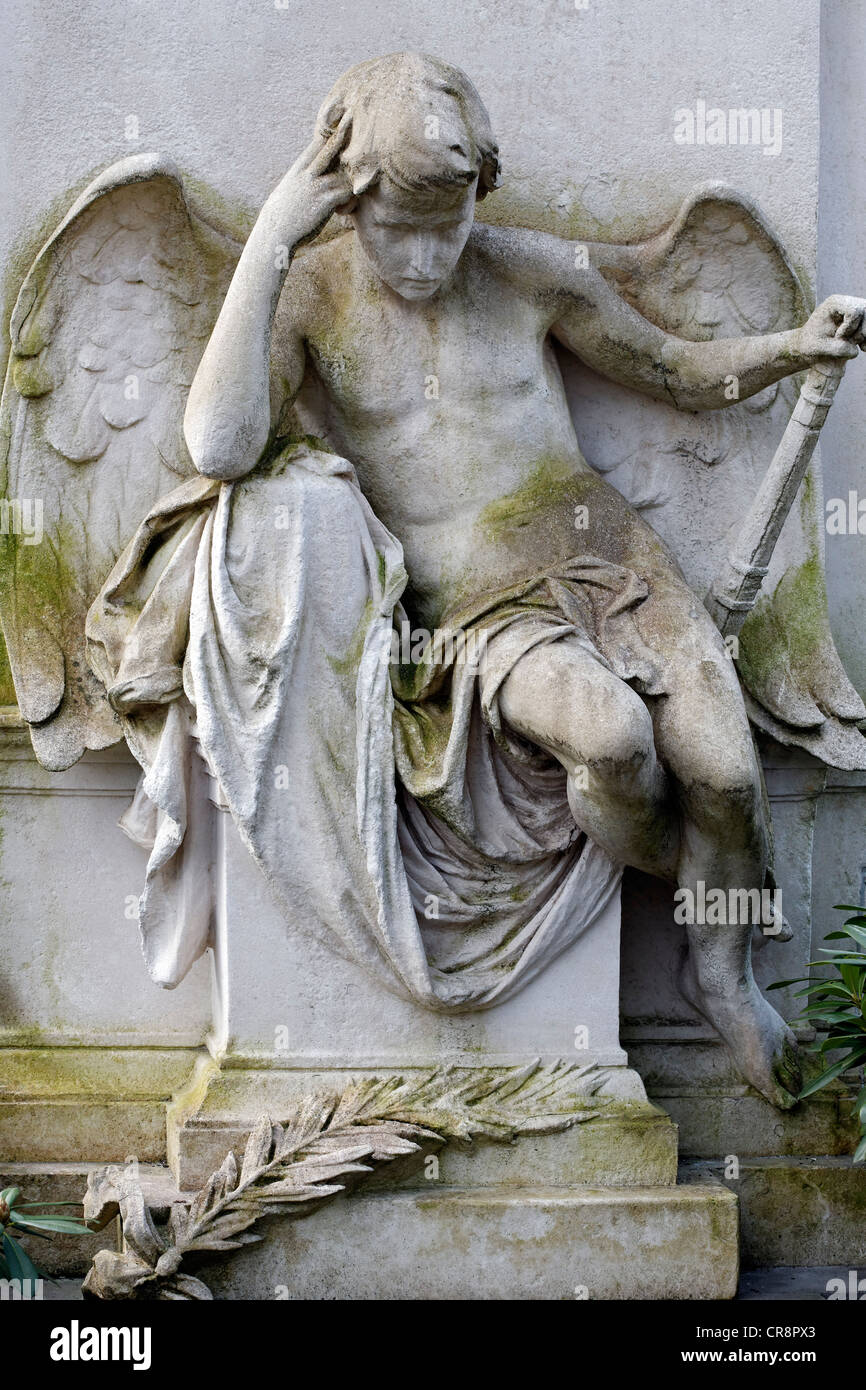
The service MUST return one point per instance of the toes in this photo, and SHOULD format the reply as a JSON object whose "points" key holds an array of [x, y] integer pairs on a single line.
{"points": [[781, 1099], [787, 1074]]}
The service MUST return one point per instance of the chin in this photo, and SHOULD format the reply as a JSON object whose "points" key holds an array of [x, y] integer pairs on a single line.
{"points": [[416, 291]]}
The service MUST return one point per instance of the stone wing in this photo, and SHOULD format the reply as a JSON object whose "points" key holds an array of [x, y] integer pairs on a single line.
{"points": [[106, 334], [718, 270]]}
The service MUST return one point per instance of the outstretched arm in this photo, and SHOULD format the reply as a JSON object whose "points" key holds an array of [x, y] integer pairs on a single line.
{"points": [[614, 339], [228, 414]]}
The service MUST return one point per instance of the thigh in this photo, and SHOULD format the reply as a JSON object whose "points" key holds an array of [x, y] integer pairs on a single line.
{"points": [[561, 697]]}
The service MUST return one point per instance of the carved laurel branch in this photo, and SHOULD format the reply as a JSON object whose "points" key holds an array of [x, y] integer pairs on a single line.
{"points": [[329, 1143]]}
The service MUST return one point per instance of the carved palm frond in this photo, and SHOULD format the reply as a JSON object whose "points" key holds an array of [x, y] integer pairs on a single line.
{"points": [[329, 1143]]}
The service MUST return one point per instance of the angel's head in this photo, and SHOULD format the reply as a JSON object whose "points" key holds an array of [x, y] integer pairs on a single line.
{"points": [[420, 154]]}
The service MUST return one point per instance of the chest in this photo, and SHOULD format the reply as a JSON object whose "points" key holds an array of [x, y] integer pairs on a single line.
{"points": [[384, 359]]}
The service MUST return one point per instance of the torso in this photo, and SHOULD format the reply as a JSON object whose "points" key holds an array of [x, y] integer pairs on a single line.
{"points": [[454, 414]]}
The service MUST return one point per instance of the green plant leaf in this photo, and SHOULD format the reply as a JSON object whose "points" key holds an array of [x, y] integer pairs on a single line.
{"points": [[851, 929], [19, 1261], [841, 1040], [819, 1012], [28, 1206], [826, 1077], [860, 1151], [9, 1194], [824, 989], [64, 1224]]}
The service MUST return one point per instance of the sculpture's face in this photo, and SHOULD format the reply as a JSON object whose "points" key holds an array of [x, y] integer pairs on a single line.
{"points": [[413, 240]]}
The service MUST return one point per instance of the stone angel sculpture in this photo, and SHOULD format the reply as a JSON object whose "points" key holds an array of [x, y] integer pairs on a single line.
{"points": [[322, 543]]}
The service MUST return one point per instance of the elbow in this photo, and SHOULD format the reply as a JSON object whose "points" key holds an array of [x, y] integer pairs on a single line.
{"points": [[223, 470], [220, 450]]}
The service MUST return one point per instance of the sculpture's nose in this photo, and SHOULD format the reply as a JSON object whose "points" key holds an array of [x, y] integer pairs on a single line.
{"points": [[421, 259]]}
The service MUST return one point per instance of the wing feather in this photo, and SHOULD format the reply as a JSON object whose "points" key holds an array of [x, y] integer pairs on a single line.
{"points": [[106, 334]]}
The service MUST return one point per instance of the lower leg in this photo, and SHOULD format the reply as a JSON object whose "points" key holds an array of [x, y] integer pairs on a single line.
{"points": [[725, 845], [631, 816]]}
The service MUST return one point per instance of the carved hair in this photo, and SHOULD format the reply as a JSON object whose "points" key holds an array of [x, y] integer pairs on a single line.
{"points": [[416, 119]]}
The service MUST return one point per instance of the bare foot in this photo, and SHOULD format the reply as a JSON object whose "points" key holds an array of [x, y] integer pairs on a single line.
{"points": [[760, 1042]]}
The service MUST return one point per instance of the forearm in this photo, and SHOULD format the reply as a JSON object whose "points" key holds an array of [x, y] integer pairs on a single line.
{"points": [[707, 376], [227, 420]]}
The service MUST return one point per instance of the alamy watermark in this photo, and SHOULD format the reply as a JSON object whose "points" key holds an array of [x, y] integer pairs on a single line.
{"points": [[408, 646], [846, 516], [729, 907], [713, 125], [16, 1290], [22, 516]]}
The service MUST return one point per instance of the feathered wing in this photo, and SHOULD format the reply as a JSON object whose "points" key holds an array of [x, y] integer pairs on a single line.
{"points": [[719, 271], [106, 335]]}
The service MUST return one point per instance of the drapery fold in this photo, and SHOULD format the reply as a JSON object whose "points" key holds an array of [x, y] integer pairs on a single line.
{"points": [[390, 812]]}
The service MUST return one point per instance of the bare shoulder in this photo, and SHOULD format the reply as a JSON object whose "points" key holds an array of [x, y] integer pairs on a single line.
{"points": [[540, 262]]}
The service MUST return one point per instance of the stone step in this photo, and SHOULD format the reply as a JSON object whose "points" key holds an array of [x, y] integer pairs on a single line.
{"points": [[627, 1142], [695, 1082], [59, 1103], [627, 1150], [795, 1210], [713, 1125], [450, 1242], [496, 1243]]}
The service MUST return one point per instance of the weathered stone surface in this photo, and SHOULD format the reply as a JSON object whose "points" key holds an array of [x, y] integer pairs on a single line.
{"points": [[715, 1123], [47, 997], [498, 1244], [72, 960], [57, 1103], [798, 1211]]}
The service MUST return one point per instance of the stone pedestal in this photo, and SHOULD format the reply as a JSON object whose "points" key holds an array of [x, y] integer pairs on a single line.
{"points": [[593, 1211], [290, 1015], [89, 1051]]}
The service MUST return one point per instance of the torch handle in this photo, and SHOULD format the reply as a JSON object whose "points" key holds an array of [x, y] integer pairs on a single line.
{"points": [[735, 589]]}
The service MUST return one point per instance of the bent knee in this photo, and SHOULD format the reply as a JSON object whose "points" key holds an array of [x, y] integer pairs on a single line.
{"points": [[619, 741], [611, 732], [579, 711], [724, 779]]}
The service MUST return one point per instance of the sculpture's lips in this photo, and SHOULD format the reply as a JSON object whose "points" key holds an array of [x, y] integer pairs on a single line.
{"points": [[419, 284]]}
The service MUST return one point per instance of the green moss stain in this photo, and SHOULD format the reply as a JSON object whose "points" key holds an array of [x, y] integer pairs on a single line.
{"points": [[7, 686], [230, 217], [550, 484], [347, 666], [785, 627], [801, 603]]}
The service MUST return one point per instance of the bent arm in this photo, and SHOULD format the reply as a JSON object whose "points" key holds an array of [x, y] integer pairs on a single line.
{"points": [[614, 339], [228, 417]]}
